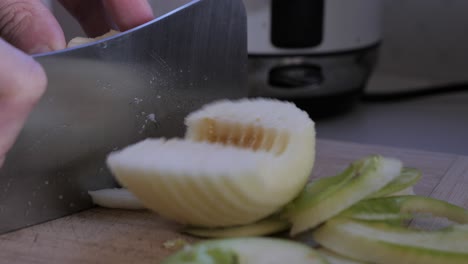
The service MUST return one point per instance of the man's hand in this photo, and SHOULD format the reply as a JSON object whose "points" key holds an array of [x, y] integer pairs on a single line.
{"points": [[29, 25], [22, 83]]}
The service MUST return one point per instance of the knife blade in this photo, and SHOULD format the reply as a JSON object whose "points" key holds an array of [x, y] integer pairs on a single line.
{"points": [[108, 94]]}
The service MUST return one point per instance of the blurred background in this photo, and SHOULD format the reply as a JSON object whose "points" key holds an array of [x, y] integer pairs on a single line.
{"points": [[423, 45]]}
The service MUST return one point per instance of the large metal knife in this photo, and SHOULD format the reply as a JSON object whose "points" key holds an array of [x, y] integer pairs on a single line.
{"points": [[114, 92]]}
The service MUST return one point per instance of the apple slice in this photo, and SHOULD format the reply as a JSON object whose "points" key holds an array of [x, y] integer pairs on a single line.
{"points": [[406, 191], [246, 251], [327, 197], [78, 41], [241, 161], [268, 226], [387, 244], [335, 258], [117, 198], [402, 185], [396, 208]]}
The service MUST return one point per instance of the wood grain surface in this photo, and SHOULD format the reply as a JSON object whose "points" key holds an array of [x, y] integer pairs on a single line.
{"points": [[118, 236]]}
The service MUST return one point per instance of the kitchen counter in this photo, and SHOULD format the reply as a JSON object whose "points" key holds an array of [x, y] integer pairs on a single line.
{"points": [[434, 123]]}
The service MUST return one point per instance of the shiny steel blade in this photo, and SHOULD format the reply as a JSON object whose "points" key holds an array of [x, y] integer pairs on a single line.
{"points": [[109, 94]]}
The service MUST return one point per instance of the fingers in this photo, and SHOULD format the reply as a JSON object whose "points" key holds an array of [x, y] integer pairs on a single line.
{"points": [[128, 14], [98, 17], [90, 14], [29, 25], [22, 83]]}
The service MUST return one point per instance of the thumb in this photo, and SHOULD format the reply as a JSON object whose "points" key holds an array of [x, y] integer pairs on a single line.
{"points": [[29, 25], [22, 83]]}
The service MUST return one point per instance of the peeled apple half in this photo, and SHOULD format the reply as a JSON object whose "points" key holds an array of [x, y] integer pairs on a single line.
{"points": [[240, 162]]}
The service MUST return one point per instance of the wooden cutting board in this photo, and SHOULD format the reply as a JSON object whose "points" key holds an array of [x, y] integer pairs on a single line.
{"points": [[118, 236]]}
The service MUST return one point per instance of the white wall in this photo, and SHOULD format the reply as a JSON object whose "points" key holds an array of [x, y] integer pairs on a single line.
{"points": [[426, 39]]}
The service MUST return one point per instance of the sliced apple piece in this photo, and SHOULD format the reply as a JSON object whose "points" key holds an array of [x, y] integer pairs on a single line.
{"points": [[335, 258], [387, 244], [240, 162], [406, 191], [398, 208], [268, 226], [246, 251], [78, 41], [117, 198], [402, 185], [327, 197]]}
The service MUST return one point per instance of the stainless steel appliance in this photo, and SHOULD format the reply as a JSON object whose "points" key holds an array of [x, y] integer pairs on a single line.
{"points": [[317, 53]]}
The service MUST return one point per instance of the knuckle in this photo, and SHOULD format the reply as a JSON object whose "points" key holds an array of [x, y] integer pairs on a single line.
{"points": [[15, 17]]}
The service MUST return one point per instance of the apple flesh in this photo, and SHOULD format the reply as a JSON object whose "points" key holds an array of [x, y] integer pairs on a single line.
{"points": [[117, 198]]}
